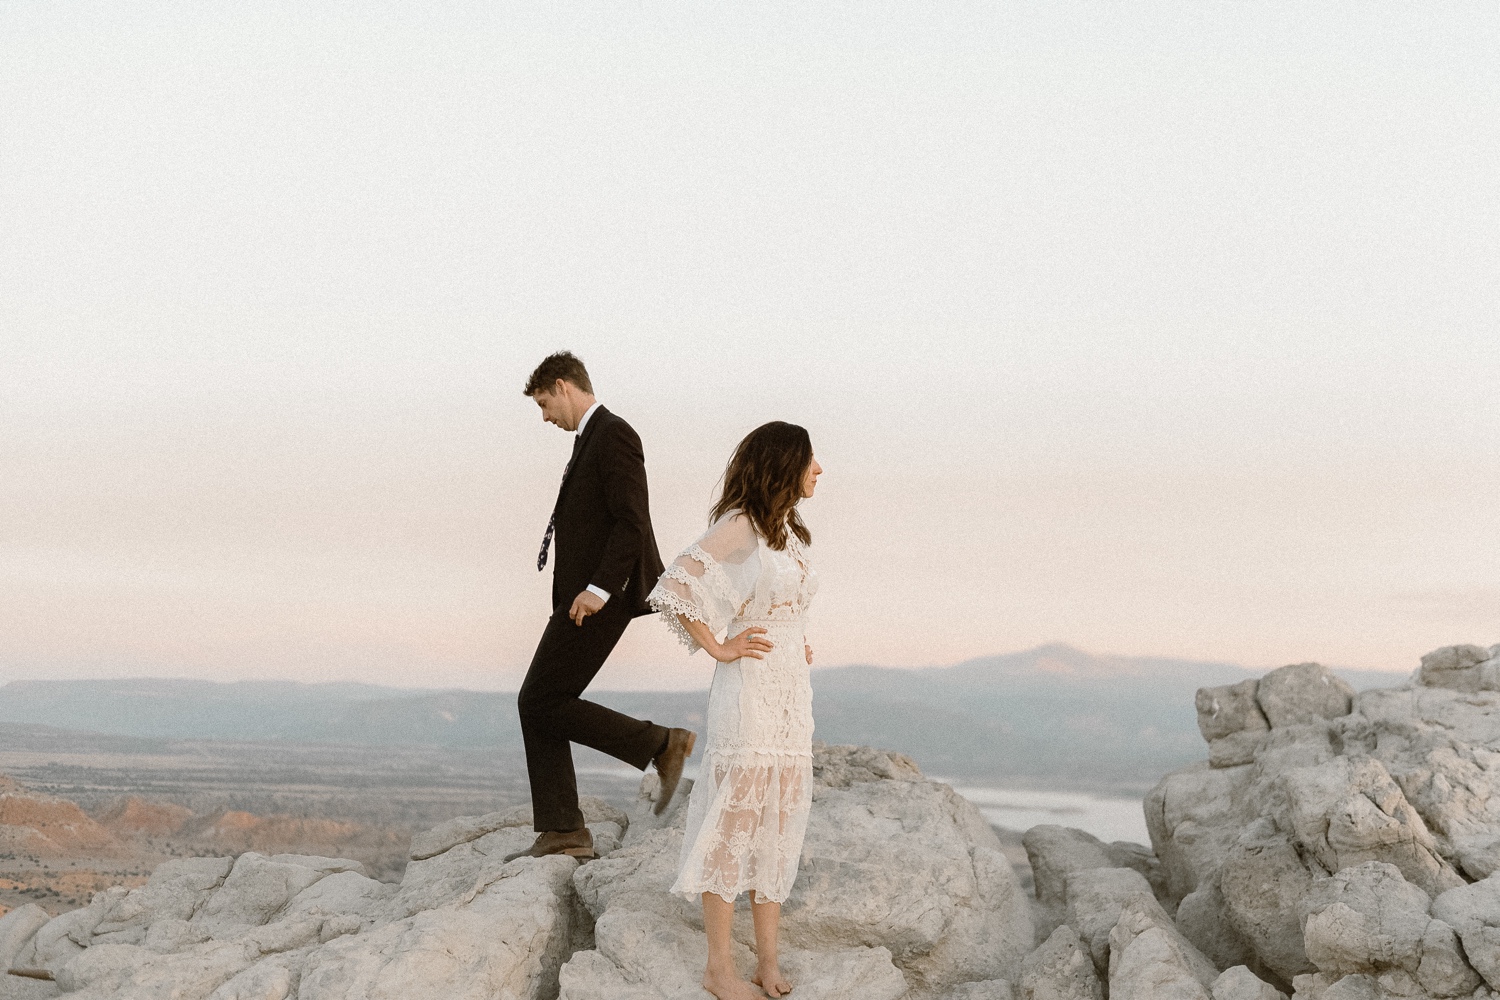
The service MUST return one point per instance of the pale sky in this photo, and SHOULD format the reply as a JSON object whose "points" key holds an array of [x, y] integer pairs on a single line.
{"points": [[1156, 329]]}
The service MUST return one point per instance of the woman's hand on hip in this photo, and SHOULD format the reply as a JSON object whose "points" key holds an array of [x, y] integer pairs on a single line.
{"points": [[752, 643]]}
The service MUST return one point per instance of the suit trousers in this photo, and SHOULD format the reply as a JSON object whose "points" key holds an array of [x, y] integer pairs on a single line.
{"points": [[553, 714]]}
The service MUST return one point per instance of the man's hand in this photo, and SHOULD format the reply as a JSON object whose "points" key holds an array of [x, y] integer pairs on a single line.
{"points": [[585, 604], [808, 650]]}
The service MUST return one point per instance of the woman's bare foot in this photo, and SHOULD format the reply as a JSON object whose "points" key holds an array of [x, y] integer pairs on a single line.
{"points": [[772, 981], [730, 986]]}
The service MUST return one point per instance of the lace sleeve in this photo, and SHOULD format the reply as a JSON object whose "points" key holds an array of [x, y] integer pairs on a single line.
{"points": [[710, 581]]}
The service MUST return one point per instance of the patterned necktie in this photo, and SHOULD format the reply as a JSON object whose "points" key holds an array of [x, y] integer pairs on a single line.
{"points": [[541, 557]]}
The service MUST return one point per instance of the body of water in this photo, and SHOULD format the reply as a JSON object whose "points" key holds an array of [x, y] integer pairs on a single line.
{"points": [[1105, 817]]}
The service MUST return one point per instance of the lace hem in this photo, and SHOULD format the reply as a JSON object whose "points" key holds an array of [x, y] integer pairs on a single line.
{"points": [[670, 606], [728, 893]]}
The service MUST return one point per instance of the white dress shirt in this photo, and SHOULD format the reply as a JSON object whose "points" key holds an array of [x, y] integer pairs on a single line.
{"points": [[583, 421]]}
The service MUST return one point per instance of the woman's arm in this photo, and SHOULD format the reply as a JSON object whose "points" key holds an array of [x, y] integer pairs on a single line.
{"points": [[748, 643]]}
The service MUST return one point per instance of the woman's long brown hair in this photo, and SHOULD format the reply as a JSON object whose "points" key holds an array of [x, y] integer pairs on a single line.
{"points": [[764, 479]]}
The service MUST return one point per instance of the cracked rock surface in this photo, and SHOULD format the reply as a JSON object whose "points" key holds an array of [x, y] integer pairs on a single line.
{"points": [[1332, 846]]}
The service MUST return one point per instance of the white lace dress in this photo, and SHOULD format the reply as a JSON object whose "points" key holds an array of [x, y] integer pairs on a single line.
{"points": [[747, 812]]}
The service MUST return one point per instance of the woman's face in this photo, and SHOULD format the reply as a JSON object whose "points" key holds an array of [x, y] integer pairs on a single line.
{"points": [[810, 478]]}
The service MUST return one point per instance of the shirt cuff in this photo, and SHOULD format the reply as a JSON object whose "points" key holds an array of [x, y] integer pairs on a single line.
{"points": [[603, 595]]}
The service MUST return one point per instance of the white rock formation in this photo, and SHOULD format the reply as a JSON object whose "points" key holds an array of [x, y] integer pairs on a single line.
{"points": [[902, 885], [1473, 911], [1334, 846], [461, 924], [1238, 983], [1311, 846], [1368, 920], [1055, 852], [904, 891], [1060, 969], [17, 928]]}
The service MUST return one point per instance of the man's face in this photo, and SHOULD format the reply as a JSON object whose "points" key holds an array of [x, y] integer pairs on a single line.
{"points": [[556, 406]]}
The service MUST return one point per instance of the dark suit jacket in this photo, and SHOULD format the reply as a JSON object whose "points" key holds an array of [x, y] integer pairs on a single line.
{"points": [[603, 526]]}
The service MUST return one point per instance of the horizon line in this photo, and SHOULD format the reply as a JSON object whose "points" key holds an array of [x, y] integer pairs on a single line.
{"points": [[1043, 647]]}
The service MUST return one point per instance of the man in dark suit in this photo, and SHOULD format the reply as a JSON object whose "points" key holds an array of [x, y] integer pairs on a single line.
{"points": [[606, 564]]}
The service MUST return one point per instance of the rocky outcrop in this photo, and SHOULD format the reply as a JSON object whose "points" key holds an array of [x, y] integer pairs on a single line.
{"points": [[1055, 852], [1473, 911], [1061, 969], [1461, 668], [902, 886], [460, 924], [903, 891], [17, 928], [1333, 846], [1239, 983], [1368, 920], [1312, 846]]}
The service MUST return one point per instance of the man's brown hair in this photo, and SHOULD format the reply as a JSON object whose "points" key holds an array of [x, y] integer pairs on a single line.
{"points": [[562, 365]]}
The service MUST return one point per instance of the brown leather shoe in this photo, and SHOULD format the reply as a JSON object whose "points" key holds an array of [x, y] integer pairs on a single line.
{"points": [[669, 764], [574, 843]]}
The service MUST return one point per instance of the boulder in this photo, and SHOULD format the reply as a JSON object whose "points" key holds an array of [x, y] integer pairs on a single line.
{"points": [[1438, 745], [256, 889], [1057, 851], [1203, 918], [1261, 883], [16, 931], [1369, 920], [1236, 748], [1461, 668], [273, 978], [57, 941], [1194, 816], [643, 955], [1406, 713], [1473, 911], [503, 939], [1096, 897], [128, 972], [904, 863], [896, 870], [1301, 693], [175, 891], [462, 925], [1231, 720], [1061, 969], [1097, 900], [1348, 810], [847, 766], [1229, 709], [1407, 777], [1239, 983], [342, 894], [1149, 960]]}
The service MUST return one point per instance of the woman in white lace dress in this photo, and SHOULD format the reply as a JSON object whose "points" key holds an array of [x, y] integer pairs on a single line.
{"points": [[749, 579]]}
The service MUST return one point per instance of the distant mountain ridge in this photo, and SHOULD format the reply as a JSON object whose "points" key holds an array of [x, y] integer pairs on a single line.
{"points": [[1050, 714]]}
